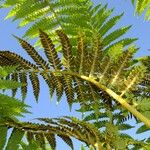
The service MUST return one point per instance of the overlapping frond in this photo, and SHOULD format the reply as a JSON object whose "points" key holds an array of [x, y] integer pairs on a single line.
{"points": [[64, 75], [115, 71], [45, 134]]}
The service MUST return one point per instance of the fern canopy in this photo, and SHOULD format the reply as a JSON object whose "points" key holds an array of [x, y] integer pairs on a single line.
{"points": [[83, 58], [50, 16]]}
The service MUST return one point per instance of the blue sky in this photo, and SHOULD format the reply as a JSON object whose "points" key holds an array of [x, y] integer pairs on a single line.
{"points": [[48, 108]]}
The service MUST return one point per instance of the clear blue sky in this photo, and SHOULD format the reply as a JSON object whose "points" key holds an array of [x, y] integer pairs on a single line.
{"points": [[45, 108]]}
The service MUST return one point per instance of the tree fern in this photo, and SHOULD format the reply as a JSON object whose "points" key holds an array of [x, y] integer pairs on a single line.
{"points": [[128, 76]]}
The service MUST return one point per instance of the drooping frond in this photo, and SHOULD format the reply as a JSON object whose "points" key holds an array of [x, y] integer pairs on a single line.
{"points": [[65, 128]]}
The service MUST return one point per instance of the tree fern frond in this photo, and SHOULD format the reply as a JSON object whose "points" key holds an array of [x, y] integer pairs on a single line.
{"points": [[50, 51], [50, 82], [33, 54], [59, 87], [33, 16], [3, 131], [18, 59], [101, 16], [125, 42], [80, 52], [124, 127], [66, 49], [23, 79], [14, 77], [35, 85], [63, 127], [9, 3], [29, 7], [67, 80], [51, 139], [97, 50], [15, 138], [54, 15], [134, 77], [41, 139], [114, 35], [109, 24], [8, 84], [108, 78], [13, 11], [67, 140]]}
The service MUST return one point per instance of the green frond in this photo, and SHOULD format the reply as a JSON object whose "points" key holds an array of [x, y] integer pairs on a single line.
{"points": [[135, 77], [8, 3], [33, 16], [35, 85], [50, 51], [125, 42], [11, 107], [97, 50], [92, 116], [13, 11], [142, 7], [9, 84], [3, 131], [114, 35], [80, 52], [100, 17], [109, 24], [28, 8], [65, 128], [142, 129], [125, 127], [14, 77], [14, 139], [6, 70], [39, 138], [55, 15]]}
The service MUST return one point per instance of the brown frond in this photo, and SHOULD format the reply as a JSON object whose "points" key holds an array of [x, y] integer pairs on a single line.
{"points": [[33, 53], [50, 51], [35, 85], [66, 49], [12, 57], [68, 87], [23, 79], [51, 139]]}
